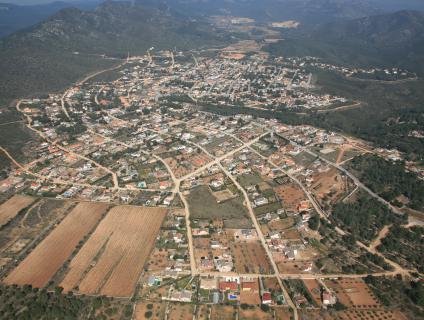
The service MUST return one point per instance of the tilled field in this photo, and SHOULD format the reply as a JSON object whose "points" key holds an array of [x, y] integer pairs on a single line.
{"points": [[47, 258], [113, 257]]}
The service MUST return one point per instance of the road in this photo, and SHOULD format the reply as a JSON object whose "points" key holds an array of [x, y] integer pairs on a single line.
{"points": [[248, 204], [355, 180]]}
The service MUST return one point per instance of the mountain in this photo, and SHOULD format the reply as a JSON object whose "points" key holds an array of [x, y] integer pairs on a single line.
{"points": [[16, 17], [42, 59], [308, 12], [395, 39]]}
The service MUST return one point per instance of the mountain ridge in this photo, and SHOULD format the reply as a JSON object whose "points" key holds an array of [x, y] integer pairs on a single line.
{"points": [[41, 58], [387, 40]]}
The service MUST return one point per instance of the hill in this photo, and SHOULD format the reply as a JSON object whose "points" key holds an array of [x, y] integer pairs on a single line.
{"points": [[308, 12], [395, 40], [41, 59], [16, 17]]}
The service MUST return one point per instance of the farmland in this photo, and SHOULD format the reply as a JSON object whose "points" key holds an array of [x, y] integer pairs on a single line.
{"points": [[46, 259], [250, 257], [12, 207], [154, 311], [180, 311], [112, 259], [24, 232], [254, 313], [354, 293]]}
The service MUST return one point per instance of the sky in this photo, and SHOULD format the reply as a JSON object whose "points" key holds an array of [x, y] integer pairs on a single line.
{"points": [[29, 2]]}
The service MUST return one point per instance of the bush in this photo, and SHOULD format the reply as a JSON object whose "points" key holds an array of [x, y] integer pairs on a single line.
{"points": [[265, 307]]}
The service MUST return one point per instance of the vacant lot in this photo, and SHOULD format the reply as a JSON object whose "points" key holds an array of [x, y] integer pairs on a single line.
{"points": [[291, 196], [12, 207], [203, 205], [46, 259], [112, 259], [250, 257], [329, 186]]}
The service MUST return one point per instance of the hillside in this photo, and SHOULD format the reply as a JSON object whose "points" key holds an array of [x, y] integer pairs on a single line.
{"points": [[16, 17], [42, 58], [307, 11], [395, 39]]}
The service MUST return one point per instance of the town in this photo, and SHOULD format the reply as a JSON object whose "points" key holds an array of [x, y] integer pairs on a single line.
{"points": [[246, 207]]}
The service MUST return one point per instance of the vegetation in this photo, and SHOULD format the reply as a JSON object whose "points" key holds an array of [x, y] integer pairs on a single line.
{"points": [[365, 217], [389, 180], [33, 303], [396, 293], [405, 246]]}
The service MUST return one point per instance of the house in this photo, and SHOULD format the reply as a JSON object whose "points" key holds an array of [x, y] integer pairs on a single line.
{"points": [[181, 296], [153, 281], [250, 285], [261, 201], [226, 285], [208, 283], [266, 298], [328, 298]]}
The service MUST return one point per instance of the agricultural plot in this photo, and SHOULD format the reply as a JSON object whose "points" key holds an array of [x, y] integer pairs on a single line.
{"points": [[149, 310], [354, 293], [12, 207], [113, 257], [223, 312], [254, 313], [46, 259], [24, 232], [379, 314], [250, 257], [179, 311]]}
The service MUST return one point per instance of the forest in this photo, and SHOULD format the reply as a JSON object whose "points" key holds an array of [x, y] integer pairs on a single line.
{"points": [[390, 180]]}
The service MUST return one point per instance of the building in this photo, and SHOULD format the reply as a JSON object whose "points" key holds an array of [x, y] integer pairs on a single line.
{"points": [[266, 298], [208, 283], [226, 286]]}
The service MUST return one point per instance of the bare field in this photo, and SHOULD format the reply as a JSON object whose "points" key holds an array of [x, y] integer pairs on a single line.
{"points": [[47, 258], [13, 206], [113, 257], [291, 195]]}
